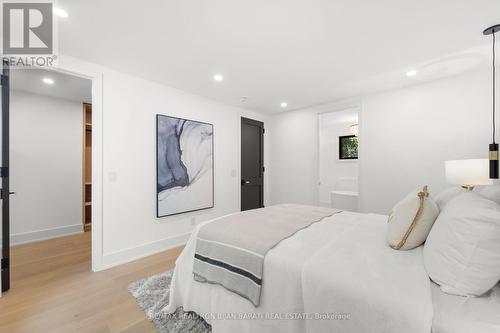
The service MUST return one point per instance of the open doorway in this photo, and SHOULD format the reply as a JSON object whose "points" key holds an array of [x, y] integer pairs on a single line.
{"points": [[50, 172], [338, 159]]}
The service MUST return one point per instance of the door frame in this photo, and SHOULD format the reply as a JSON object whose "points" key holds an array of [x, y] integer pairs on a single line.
{"points": [[259, 123]]}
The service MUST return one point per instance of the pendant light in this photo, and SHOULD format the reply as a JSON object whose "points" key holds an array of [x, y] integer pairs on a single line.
{"points": [[493, 146]]}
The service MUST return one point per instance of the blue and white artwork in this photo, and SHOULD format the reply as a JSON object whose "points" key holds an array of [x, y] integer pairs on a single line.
{"points": [[185, 170]]}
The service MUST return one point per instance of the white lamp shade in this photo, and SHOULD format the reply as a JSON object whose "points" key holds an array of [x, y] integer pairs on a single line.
{"points": [[468, 172]]}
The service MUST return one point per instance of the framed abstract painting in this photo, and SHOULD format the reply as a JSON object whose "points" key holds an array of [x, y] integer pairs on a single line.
{"points": [[184, 165]]}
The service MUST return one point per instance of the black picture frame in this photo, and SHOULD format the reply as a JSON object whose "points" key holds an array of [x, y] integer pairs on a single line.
{"points": [[158, 117], [343, 155]]}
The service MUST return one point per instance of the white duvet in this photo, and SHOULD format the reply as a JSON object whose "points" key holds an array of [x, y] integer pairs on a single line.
{"points": [[337, 275]]}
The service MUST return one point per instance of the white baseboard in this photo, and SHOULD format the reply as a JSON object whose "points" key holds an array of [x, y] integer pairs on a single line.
{"points": [[121, 257], [38, 235]]}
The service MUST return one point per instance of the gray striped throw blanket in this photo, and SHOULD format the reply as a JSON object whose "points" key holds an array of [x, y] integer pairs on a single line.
{"points": [[230, 251]]}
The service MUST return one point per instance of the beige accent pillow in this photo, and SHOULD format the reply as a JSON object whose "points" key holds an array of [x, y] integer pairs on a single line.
{"points": [[411, 220]]}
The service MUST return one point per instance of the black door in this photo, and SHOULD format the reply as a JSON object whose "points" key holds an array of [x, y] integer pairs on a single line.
{"points": [[4, 173], [252, 164]]}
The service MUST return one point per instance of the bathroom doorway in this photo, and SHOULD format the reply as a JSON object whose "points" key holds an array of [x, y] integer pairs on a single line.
{"points": [[338, 159]]}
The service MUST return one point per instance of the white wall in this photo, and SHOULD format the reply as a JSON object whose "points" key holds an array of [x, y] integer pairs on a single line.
{"points": [[294, 151], [45, 167], [130, 228], [405, 137], [333, 172], [407, 134]]}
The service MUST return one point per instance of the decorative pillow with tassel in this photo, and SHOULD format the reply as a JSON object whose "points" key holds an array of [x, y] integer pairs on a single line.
{"points": [[411, 220]]}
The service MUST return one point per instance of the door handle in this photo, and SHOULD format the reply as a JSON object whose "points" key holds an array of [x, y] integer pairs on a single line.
{"points": [[244, 182], [1, 193]]}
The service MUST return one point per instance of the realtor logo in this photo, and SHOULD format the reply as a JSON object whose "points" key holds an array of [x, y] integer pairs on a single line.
{"points": [[27, 28]]}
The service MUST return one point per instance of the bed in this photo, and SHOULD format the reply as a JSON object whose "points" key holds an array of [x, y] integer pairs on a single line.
{"points": [[337, 275]]}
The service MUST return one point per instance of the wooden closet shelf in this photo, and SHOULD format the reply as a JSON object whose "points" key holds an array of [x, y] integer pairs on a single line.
{"points": [[87, 167]]}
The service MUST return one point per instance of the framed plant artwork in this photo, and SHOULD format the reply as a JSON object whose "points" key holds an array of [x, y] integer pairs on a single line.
{"points": [[184, 165], [348, 147]]}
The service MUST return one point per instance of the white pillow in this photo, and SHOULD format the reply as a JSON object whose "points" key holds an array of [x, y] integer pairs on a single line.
{"points": [[490, 192], [445, 196], [462, 252], [411, 220]]}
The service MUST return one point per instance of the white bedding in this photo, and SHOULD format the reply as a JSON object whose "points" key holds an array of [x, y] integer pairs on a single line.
{"points": [[358, 273], [457, 314], [321, 269]]}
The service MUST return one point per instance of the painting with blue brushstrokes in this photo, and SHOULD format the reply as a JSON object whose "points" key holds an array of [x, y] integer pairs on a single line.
{"points": [[184, 165]]}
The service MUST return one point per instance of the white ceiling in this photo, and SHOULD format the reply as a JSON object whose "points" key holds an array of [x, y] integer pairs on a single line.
{"points": [[304, 52], [65, 86]]}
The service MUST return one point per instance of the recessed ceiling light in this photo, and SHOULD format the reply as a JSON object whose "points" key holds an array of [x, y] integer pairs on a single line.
{"points": [[412, 72], [47, 80], [284, 104], [218, 78], [60, 12]]}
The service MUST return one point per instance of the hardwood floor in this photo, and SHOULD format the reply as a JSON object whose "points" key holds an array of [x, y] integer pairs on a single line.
{"points": [[54, 290]]}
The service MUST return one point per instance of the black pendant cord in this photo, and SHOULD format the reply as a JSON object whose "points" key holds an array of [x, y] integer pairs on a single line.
{"points": [[494, 90]]}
